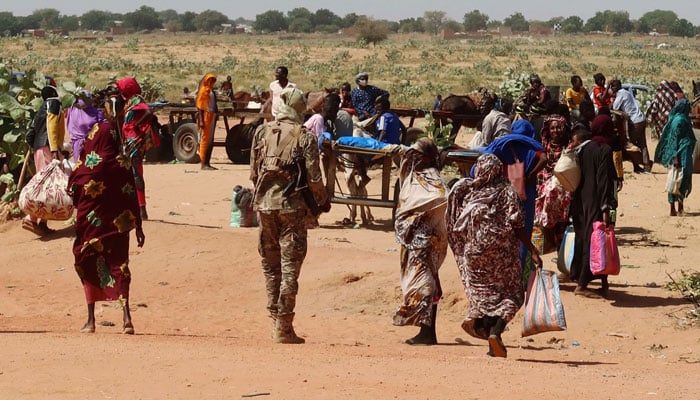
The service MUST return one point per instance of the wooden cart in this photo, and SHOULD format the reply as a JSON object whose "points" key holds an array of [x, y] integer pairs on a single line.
{"points": [[182, 129]]}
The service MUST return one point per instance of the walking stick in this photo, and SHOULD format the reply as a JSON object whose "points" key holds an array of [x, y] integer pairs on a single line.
{"points": [[20, 182]]}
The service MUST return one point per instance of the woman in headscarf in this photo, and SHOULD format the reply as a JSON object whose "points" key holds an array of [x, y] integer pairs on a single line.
{"points": [[485, 223], [45, 137], [103, 190], [80, 118], [552, 202], [206, 121], [138, 134], [420, 230], [521, 144], [675, 149]]}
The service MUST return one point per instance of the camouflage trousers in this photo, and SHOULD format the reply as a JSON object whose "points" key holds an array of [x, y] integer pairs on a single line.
{"points": [[282, 246]]}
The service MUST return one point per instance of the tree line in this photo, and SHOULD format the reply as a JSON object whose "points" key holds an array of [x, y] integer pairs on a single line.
{"points": [[302, 20]]}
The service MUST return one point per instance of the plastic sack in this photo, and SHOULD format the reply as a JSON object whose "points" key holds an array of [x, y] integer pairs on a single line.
{"points": [[242, 214], [673, 180], [567, 170], [45, 196], [544, 311], [565, 257], [605, 258]]}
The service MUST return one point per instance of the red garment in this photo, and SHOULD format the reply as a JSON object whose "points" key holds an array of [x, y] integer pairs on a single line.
{"points": [[607, 97], [129, 87], [104, 195]]}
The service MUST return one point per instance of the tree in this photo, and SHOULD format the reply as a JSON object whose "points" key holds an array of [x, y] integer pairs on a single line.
{"points": [[453, 25], [270, 21], [145, 18], [8, 24], [300, 25], [517, 22], [682, 27], [609, 21], [49, 18], [96, 20], [371, 31], [210, 21], [434, 21], [187, 21], [349, 20], [324, 16], [299, 12], [411, 25], [70, 22], [167, 15], [475, 20], [660, 20], [572, 24]]}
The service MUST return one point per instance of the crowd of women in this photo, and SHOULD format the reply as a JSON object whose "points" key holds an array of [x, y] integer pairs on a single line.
{"points": [[487, 218]]}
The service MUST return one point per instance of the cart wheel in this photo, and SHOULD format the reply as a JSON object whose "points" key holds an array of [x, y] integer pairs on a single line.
{"points": [[186, 143], [238, 145]]}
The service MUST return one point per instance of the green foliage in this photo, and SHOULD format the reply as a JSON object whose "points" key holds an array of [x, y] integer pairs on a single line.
{"points": [[687, 283], [514, 85], [441, 135], [270, 21], [210, 21], [433, 21], [517, 22], [475, 20], [371, 31]]}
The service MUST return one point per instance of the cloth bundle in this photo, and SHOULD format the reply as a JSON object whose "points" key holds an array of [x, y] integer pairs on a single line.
{"points": [[45, 196], [567, 170]]}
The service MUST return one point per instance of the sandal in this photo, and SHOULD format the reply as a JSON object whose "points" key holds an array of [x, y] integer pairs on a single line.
{"points": [[128, 328], [496, 347]]}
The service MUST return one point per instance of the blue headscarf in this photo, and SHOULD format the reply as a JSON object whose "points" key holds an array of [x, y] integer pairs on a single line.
{"points": [[521, 141]]}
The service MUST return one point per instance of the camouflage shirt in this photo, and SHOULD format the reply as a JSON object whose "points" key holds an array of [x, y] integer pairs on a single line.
{"points": [[272, 148]]}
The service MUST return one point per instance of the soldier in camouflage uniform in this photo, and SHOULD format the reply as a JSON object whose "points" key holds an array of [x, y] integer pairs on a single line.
{"points": [[282, 243]]}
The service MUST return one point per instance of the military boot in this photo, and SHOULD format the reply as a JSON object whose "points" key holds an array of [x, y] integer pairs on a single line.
{"points": [[284, 332]]}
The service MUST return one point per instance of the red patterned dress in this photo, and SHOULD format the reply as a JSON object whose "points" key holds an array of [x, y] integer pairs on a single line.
{"points": [[104, 194]]}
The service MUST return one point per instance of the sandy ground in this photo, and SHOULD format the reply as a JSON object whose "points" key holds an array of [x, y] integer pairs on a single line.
{"points": [[201, 328]]}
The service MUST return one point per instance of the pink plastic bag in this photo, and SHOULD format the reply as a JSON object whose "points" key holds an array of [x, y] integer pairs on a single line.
{"points": [[544, 311], [605, 258]]}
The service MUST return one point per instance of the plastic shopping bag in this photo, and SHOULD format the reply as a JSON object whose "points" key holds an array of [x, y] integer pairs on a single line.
{"points": [[544, 311]]}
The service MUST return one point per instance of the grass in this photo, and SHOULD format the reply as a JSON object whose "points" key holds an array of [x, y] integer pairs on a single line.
{"points": [[416, 66]]}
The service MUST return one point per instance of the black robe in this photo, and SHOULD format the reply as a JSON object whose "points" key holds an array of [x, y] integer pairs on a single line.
{"points": [[595, 194]]}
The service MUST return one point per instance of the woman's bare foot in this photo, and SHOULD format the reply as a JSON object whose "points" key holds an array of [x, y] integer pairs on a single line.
{"points": [[88, 328], [680, 207], [673, 210]]}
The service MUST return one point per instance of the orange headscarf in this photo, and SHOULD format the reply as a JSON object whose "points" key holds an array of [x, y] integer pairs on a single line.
{"points": [[206, 85]]}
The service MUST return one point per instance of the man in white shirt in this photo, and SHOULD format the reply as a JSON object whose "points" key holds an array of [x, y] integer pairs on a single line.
{"points": [[636, 123], [277, 86]]}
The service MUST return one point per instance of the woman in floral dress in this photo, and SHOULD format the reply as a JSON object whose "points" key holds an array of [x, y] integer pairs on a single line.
{"points": [[485, 225], [420, 229]]}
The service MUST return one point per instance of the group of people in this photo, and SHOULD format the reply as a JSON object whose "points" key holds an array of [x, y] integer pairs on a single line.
{"points": [[486, 219]]}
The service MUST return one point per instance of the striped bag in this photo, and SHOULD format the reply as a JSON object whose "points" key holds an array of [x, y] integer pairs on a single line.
{"points": [[544, 311], [566, 251]]}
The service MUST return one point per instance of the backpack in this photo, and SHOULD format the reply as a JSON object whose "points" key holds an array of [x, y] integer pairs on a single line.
{"points": [[275, 150]]}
